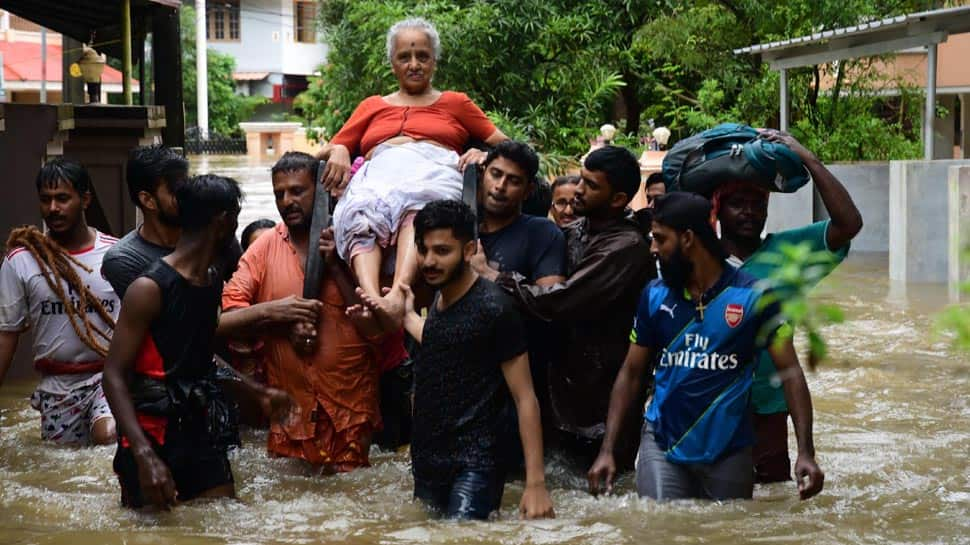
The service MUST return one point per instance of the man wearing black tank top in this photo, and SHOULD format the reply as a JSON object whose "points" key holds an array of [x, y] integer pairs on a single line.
{"points": [[159, 375]]}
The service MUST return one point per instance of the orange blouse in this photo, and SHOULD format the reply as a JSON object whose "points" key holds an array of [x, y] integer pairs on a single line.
{"points": [[451, 121]]}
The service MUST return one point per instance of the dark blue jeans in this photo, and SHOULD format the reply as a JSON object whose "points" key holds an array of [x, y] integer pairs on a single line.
{"points": [[462, 494]]}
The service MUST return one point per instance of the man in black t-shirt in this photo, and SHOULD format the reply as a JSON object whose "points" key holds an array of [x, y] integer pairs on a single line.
{"points": [[512, 241], [532, 246], [473, 356]]}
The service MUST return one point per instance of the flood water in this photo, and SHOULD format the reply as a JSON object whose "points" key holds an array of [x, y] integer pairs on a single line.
{"points": [[892, 430]]}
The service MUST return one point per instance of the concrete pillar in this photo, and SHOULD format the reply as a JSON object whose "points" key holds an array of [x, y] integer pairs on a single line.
{"points": [[929, 112], [919, 220], [783, 109], [791, 210], [201, 70], [958, 220]]}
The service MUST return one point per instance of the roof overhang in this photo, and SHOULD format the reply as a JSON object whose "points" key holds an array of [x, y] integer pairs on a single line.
{"points": [[249, 76], [80, 18], [865, 40]]}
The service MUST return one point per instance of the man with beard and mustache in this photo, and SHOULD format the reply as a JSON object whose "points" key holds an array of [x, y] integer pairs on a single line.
{"points": [[699, 327], [742, 210], [473, 356], [153, 173], [608, 263], [323, 356]]}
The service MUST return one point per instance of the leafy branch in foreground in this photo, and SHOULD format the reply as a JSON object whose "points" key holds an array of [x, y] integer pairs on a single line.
{"points": [[955, 320], [796, 270]]}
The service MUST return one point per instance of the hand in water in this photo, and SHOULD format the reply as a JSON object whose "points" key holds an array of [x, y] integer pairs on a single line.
{"points": [[303, 337], [157, 486], [602, 473], [809, 477], [536, 503]]}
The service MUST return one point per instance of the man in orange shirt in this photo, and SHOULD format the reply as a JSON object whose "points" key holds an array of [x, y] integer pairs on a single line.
{"points": [[333, 382]]}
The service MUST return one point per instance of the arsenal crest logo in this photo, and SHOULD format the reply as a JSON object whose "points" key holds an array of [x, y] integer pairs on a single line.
{"points": [[733, 314]]}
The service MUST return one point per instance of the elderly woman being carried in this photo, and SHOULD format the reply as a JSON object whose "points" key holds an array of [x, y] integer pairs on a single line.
{"points": [[411, 140]]}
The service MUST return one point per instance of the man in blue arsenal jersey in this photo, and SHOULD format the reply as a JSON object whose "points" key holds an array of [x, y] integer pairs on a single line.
{"points": [[699, 327]]}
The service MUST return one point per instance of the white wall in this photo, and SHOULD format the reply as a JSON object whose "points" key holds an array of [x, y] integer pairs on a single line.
{"points": [[299, 59], [260, 48], [266, 43]]}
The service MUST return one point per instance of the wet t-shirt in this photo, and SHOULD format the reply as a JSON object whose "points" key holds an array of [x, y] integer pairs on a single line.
{"points": [[461, 419], [131, 256], [531, 246]]}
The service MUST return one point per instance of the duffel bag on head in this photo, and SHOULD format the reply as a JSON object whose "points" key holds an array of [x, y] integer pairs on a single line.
{"points": [[732, 152]]}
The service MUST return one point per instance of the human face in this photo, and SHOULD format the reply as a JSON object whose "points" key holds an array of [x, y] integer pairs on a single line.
{"points": [[442, 257], [294, 193], [62, 207], [562, 204], [654, 191], [667, 246], [506, 187], [743, 214], [413, 61], [593, 196]]}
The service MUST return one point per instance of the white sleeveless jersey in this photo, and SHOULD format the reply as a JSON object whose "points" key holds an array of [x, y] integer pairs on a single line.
{"points": [[27, 301]]}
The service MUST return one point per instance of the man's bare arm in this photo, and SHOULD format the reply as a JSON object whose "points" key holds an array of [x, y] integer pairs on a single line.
{"points": [[535, 499], [799, 401], [625, 390], [141, 305]]}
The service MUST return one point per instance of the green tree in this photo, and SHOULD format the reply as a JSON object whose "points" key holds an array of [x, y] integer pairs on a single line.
{"points": [[226, 108], [552, 71]]}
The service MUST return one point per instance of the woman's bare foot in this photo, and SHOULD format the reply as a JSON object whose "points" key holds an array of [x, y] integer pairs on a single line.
{"points": [[365, 321], [388, 309]]}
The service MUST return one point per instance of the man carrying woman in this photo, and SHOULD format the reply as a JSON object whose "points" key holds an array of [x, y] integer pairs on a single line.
{"points": [[411, 141]]}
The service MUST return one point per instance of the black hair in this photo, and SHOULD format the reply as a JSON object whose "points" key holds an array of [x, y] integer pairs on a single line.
{"points": [[684, 211], [201, 198], [257, 225], [620, 166], [654, 179], [568, 179], [445, 214], [68, 170], [297, 161], [519, 153], [149, 165]]}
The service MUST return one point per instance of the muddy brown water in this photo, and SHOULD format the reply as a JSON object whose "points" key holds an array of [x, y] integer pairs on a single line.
{"points": [[892, 430]]}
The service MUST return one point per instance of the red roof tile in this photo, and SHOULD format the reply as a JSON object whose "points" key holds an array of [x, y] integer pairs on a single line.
{"points": [[21, 62]]}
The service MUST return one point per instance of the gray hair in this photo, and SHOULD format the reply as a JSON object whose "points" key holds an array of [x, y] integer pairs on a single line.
{"points": [[413, 23]]}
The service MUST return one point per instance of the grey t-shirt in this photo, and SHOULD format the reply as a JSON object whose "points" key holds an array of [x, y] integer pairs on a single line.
{"points": [[132, 255]]}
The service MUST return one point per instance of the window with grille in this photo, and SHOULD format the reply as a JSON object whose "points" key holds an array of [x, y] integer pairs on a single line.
{"points": [[222, 20], [304, 21]]}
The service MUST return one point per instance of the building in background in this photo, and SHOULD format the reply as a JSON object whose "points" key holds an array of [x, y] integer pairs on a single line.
{"points": [[20, 46], [275, 43]]}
